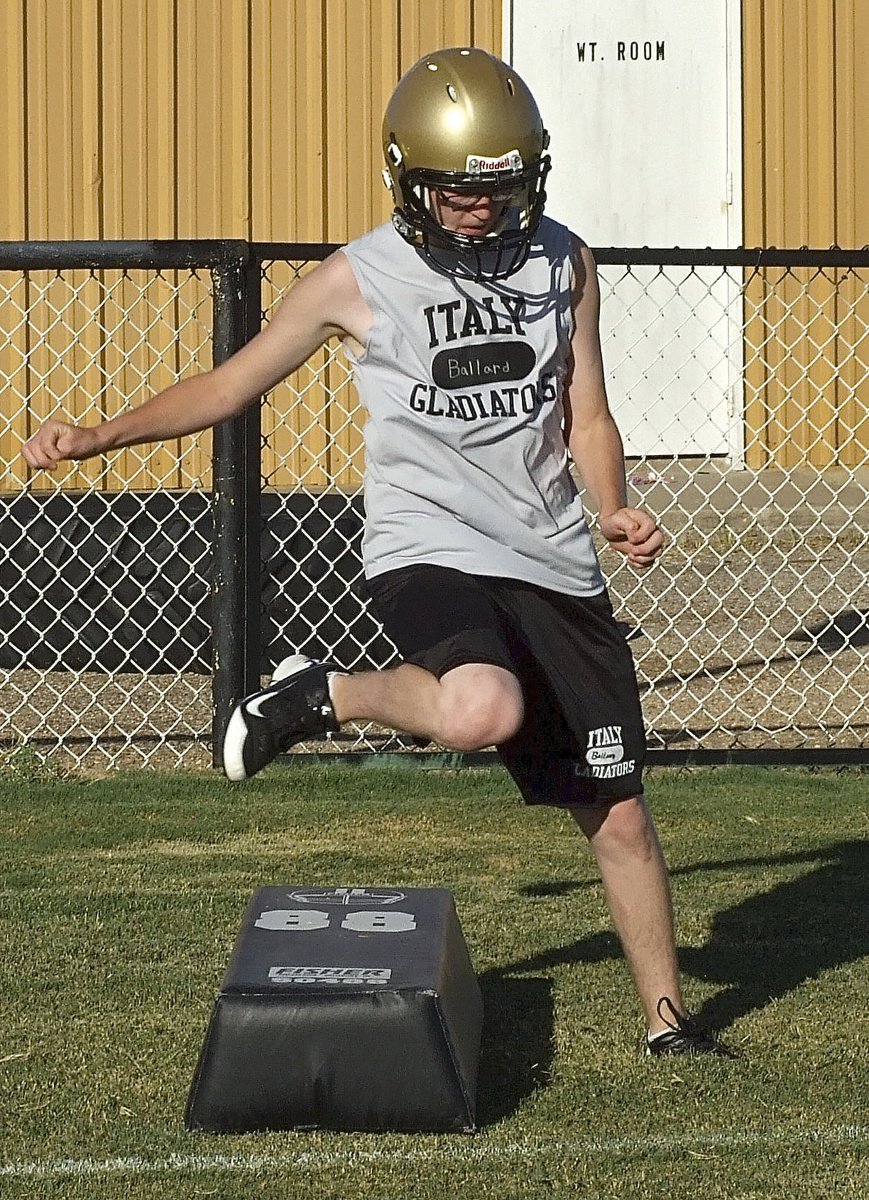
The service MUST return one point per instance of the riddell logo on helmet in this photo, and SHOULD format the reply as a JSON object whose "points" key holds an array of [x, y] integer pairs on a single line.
{"points": [[476, 164]]}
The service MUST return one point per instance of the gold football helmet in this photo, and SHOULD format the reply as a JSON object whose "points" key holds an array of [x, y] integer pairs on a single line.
{"points": [[461, 120]]}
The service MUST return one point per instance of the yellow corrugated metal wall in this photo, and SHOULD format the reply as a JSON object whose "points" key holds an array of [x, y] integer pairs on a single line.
{"points": [[260, 119], [806, 183], [251, 119], [254, 119]]}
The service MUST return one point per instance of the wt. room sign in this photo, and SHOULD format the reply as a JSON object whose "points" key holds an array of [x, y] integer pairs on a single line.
{"points": [[642, 99]]}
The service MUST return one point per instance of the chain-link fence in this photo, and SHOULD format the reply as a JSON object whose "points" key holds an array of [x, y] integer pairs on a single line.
{"points": [[738, 380]]}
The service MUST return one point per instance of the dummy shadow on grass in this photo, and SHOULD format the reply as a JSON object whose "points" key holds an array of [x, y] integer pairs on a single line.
{"points": [[516, 1052], [519, 1027], [766, 945]]}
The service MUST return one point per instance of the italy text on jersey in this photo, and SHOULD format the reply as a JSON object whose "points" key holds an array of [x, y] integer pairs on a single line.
{"points": [[474, 379]]}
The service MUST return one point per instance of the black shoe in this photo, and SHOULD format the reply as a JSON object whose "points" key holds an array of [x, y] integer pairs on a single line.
{"points": [[295, 705], [683, 1036]]}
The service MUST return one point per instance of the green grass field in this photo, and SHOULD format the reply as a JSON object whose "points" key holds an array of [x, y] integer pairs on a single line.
{"points": [[122, 898]]}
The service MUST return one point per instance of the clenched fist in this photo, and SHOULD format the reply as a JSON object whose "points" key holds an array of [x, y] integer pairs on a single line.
{"points": [[635, 533], [56, 441]]}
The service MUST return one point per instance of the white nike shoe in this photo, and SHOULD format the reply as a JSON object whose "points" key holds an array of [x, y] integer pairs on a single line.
{"points": [[294, 706]]}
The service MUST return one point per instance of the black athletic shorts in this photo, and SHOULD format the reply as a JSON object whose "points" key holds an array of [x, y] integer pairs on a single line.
{"points": [[582, 740]]}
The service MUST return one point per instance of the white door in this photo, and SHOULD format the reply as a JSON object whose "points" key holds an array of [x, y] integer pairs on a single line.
{"points": [[642, 99]]}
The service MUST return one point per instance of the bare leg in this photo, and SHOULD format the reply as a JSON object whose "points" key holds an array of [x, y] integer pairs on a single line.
{"points": [[637, 890], [470, 707]]}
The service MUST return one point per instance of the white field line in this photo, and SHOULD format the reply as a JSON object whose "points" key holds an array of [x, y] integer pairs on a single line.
{"points": [[466, 1151]]}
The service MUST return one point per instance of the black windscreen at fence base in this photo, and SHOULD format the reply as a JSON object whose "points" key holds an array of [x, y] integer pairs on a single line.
{"points": [[121, 581]]}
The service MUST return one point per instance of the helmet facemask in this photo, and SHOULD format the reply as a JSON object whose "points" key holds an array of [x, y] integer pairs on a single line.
{"points": [[493, 255]]}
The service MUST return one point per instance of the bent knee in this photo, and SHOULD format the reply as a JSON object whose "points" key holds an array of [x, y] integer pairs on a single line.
{"points": [[625, 826], [481, 706]]}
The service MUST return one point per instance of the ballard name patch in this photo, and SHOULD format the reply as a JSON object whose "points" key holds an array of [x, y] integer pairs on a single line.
{"points": [[469, 366]]}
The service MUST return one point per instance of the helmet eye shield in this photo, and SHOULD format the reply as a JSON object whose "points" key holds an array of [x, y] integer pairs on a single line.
{"points": [[467, 201], [499, 186]]}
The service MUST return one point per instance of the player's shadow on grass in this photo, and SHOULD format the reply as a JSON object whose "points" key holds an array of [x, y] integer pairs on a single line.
{"points": [[768, 944], [772, 942], [516, 1053]]}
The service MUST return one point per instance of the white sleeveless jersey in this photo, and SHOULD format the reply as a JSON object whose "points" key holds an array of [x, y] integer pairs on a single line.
{"points": [[466, 464]]}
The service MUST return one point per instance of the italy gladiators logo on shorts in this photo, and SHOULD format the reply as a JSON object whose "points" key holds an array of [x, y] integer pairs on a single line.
{"points": [[605, 754]]}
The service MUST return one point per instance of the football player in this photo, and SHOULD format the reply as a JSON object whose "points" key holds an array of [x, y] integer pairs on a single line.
{"points": [[471, 321]]}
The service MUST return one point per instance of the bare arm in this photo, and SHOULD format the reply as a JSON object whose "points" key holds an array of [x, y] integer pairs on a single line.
{"points": [[324, 304], [592, 435]]}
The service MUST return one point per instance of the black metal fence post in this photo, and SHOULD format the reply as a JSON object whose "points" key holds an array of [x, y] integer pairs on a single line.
{"points": [[236, 490]]}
